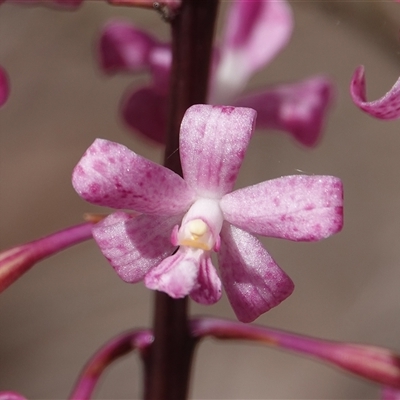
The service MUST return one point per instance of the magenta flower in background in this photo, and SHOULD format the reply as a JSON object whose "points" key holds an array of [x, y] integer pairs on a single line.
{"points": [[255, 32], [200, 214], [387, 107], [4, 86]]}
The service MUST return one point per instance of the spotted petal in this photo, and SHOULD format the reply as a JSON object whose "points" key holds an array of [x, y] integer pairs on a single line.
{"points": [[254, 283], [134, 245], [213, 142], [111, 175], [387, 107], [298, 108], [176, 275], [208, 287], [299, 207], [255, 32]]}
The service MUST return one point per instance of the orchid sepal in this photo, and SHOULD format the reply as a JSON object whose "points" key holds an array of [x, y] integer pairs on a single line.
{"points": [[387, 107]]}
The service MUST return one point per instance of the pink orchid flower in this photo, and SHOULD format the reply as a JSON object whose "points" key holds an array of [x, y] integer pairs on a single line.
{"points": [[199, 213], [254, 34], [4, 86], [387, 107]]}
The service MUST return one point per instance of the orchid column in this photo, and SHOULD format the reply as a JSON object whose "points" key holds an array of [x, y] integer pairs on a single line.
{"points": [[168, 366]]}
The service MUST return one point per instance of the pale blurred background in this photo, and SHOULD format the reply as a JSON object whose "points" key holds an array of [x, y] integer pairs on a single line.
{"points": [[347, 287]]}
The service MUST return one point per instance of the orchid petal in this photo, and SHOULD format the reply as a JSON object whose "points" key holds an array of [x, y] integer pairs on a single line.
{"points": [[208, 288], [254, 283], [111, 175], [4, 86], [145, 111], [176, 275], [387, 107], [298, 207], [255, 32], [123, 47], [213, 142], [134, 245], [299, 108]]}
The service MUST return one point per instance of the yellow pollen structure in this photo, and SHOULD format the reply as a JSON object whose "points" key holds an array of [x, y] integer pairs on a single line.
{"points": [[197, 228], [197, 235]]}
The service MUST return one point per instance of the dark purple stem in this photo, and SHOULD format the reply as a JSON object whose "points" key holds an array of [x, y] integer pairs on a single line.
{"points": [[168, 364], [115, 348]]}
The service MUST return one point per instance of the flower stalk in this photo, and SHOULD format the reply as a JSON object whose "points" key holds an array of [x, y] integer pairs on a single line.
{"points": [[117, 347], [168, 364], [373, 363], [16, 261]]}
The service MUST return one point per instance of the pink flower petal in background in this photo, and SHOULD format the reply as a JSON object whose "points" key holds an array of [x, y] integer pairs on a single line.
{"points": [[387, 107], [4, 86], [146, 111], [255, 31], [191, 212], [125, 48], [299, 108]]}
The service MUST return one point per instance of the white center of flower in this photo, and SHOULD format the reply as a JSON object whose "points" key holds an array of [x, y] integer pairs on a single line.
{"points": [[200, 226]]}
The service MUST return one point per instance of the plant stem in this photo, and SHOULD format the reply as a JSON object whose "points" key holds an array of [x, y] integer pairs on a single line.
{"points": [[167, 366]]}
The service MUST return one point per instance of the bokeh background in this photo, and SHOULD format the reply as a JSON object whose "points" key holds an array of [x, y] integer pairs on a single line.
{"points": [[347, 287]]}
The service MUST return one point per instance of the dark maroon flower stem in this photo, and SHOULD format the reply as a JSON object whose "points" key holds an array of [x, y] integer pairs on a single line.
{"points": [[167, 366]]}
